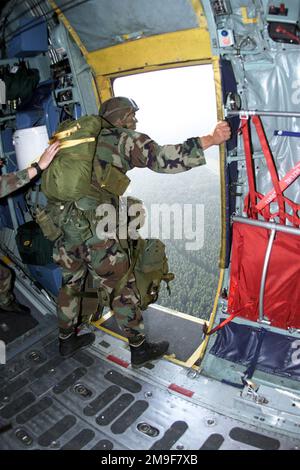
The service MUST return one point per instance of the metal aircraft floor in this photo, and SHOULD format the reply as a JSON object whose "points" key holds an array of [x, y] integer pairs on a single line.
{"points": [[95, 400], [90, 402]]}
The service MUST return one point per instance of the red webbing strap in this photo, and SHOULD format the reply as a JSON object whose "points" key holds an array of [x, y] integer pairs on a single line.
{"points": [[221, 325], [226, 321], [249, 167], [286, 181], [266, 213], [232, 315], [294, 219], [272, 169]]}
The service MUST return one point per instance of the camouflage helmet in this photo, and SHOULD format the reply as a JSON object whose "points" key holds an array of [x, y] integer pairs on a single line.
{"points": [[118, 104]]}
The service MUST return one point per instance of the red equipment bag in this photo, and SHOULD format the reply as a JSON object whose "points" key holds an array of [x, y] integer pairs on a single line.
{"points": [[282, 289]]}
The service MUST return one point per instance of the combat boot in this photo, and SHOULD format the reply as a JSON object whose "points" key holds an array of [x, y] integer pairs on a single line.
{"points": [[143, 352], [14, 307], [70, 344]]}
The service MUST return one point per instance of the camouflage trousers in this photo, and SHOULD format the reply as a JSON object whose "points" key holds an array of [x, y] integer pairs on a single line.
{"points": [[107, 262], [5, 285]]}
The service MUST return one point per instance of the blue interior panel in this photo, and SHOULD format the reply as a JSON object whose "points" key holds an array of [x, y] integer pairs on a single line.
{"points": [[278, 354], [31, 39], [49, 276]]}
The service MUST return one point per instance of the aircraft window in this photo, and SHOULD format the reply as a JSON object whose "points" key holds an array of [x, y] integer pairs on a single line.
{"points": [[183, 209]]}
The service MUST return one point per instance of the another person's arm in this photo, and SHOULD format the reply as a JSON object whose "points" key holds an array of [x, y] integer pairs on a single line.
{"points": [[13, 181]]}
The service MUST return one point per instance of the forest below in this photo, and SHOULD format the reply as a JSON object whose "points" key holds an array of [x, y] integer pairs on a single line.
{"points": [[194, 288]]}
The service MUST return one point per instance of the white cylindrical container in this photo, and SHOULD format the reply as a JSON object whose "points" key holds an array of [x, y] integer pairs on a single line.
{"points": [[29, 145]]}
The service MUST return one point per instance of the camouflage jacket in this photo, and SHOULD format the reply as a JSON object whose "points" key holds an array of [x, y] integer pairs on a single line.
{"points": [[124, 149], [13, 181], [127, 149]]}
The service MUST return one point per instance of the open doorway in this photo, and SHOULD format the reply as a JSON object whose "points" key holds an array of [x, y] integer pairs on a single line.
{"points": [[176, 104]]}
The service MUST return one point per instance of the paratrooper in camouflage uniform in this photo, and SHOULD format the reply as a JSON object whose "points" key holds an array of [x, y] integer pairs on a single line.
{"points": [[124, 148], [8, 184]]}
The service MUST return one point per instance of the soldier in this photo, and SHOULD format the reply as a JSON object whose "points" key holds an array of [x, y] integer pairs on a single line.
{"points": [[124, 148], [9, 183]]}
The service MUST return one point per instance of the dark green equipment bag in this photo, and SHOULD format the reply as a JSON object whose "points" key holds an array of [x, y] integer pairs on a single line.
{"points": [[149, 264], [151, 268], [21, 85], [33, 247], [68, 178]]}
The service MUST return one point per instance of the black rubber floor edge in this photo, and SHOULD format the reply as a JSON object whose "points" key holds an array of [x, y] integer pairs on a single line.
{"points": [[56, 431], [103, 445], [123, 381], [69, 380], [80, 440], [115, 409], [213, 442], [171, 436], [17, 405], [84, 358], [102, 401], [254, 439], [34, 410], [129, 417], [13, 387], [52, 364]]}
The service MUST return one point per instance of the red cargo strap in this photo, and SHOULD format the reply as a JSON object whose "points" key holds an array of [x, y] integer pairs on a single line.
{"points": [[221, 325], [272, 169], [249, 165], [286, 181], [251, 206], [226, 321]]}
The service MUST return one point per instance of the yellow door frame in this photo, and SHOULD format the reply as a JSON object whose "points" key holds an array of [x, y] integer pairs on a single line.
{"points": [[104, 83]]}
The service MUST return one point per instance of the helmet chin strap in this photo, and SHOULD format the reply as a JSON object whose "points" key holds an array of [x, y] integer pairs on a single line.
{"points": [[106, 120]]}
